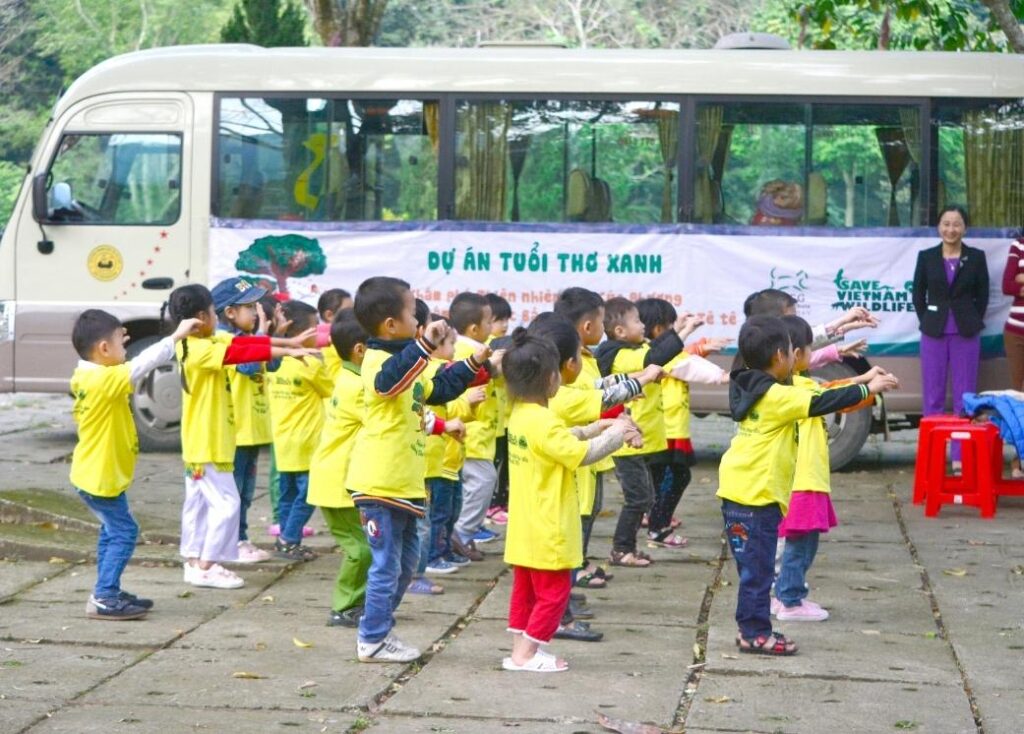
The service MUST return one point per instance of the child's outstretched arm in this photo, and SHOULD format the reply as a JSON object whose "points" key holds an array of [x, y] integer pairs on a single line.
{"points": [[829, 401], [698, 369], [160, 353], [605, 437]]}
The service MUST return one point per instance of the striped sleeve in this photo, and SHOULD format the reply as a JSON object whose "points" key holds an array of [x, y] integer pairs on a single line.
{"points": [[400, 371]]}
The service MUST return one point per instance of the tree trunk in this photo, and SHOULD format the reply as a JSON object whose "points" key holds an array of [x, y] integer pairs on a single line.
{"points": [[850, 180], [347, 22], [1009, 24]]}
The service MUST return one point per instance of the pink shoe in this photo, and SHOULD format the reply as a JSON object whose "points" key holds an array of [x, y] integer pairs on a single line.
{"points": [[273, 530], [802, 613], [249, 553], [500, 517], [308, 531], [669, 541], [776, 607]]}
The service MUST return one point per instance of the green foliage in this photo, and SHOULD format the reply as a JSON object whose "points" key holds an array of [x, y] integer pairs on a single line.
{"points": [[283, 257], [268, 23], [11, 177]]}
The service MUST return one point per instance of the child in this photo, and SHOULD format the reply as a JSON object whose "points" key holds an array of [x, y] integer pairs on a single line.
{"points": [[330, 303], [387, 485], [297, 393], [329, 467], [544, 542], [470, 314], [639, 470], [209, 516], [248, 398], [501, 314], [104, 459], [658, 317], [756, 472]]}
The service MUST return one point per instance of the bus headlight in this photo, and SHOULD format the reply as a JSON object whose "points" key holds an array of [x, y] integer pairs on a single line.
{"points": [[6, 321]]}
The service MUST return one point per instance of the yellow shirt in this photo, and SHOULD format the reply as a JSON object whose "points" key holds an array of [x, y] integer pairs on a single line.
{"points": [[482, 433], [251, 407], [757, 468], [104, 459], [646, 409], [391, 445], [332, 362], [329, 465], [590, 373], [443, 455], [543, 529], [207, 413], [675, 399], [580, 408], [812, 466], [297, 392]]}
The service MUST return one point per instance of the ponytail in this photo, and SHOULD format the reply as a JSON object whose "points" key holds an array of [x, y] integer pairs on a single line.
{"points": [[184, 303]]}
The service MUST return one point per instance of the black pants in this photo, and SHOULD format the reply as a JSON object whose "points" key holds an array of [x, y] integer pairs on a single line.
{"points": [[675, 482], [638, 477], [501, 464], [588, 520]]}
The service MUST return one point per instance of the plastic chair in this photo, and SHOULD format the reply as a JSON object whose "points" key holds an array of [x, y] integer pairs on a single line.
{"points": [[976, 485], [924, 438]]}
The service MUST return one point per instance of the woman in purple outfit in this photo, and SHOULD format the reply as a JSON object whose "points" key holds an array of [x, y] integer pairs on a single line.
{"points": [[950, 298]]}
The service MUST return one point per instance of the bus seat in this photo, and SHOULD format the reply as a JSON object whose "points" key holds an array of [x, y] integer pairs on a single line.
{"points": [[817, 198], [578, 195]]}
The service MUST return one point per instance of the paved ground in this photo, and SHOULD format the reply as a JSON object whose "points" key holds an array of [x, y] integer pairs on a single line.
{"points": [[926, 632]]}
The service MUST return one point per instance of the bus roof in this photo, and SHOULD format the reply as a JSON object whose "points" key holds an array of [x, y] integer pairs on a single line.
{"points": [[247, 68]]}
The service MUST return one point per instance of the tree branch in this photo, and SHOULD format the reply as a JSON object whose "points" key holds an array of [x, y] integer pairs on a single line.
{"points": [[1009, 24]]}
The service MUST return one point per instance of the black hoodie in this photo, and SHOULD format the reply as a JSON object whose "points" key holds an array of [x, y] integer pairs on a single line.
{"points": [[662, 351], [747, 386]]}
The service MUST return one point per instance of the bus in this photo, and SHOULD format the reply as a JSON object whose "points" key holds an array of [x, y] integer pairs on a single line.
{"points": [[696, 176]]}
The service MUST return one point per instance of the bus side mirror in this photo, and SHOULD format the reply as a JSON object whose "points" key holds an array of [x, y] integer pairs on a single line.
{"points": [[39, 208]]}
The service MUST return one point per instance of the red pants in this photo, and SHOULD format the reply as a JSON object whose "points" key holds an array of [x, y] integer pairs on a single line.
{"points": [[538, 601]]}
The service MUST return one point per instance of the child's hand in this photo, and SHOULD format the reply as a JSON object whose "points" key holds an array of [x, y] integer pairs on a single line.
{"points": [[185, 328], [687, 323], [883, 383], [281, 324], [630, 433], [857, 317], [651, 373], [298, 342], [715, 344], [435, 332], [301, 353], [262, 322], [495, 360], [853, 349], [455, 428], [476, 395], [483, 354]]}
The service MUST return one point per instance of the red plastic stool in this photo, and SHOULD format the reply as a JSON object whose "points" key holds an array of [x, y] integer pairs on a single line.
{"points": [[976, 485], [924, 442]]}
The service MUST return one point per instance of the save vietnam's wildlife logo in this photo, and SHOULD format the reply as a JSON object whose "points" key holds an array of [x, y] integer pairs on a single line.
{"points": [[874, 295]]}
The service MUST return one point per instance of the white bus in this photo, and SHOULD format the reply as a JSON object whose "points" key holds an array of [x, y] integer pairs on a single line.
{"points": [[699, 176]]}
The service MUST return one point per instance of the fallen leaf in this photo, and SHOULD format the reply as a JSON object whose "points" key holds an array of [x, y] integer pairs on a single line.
{"points": [[1018, 570], [185, 594], [718, 699], [696, 650], [308, 684], [870, 632], [627, 727], [955, 571], [47, 526], [244, 675], [727, 656], [268, 598], [261, 646], [57, 560], [299, 643]]}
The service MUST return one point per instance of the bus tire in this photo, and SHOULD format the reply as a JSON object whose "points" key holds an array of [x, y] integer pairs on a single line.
{"points": [[847, 432], [156, 403]]}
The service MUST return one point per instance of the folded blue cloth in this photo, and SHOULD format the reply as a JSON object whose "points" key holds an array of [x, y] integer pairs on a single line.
{"points": [[1008, 415]]}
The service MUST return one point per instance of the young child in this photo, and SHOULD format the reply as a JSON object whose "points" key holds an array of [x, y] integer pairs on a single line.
{"points": [[329, 468], [544, 542], [470, 314], [209, 516], [330, 303], [501, 314], [297, 393], [237, 304], [387, 485], [639, 470], [103, 462], [756, 472]]}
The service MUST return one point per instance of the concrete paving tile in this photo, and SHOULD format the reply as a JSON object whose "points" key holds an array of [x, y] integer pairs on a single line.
{"points": [[1001, 709], [130, 717], [796, 705], [442, 725], [18, 713], [18, 575], [636, 673], [55, 673]]}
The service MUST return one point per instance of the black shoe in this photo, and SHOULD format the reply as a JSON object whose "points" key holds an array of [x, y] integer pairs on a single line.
{"points": [[114, 609], [345, 618], [292, 551], [136, 600], [579, 610], [579, 631]]}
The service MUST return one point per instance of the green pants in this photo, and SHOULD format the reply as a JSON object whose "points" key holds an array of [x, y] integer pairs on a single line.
{"points": [[274, 489], [350, 586]]}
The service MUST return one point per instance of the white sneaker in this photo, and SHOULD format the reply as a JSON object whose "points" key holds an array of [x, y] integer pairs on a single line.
{"points": [[802, 613], [389, 650], [216, 577], [249, 553]]}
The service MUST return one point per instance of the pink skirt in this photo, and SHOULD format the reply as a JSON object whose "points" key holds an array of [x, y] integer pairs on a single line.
{"points": [[808, 512]]}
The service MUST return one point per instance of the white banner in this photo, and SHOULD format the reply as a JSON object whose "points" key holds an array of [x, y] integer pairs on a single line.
{"points": [[709, 274]]}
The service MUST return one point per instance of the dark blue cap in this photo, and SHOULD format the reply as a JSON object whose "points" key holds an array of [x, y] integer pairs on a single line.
{"points": [[235, 292]]}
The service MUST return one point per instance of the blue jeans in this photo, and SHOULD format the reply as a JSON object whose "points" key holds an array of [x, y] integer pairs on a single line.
{"points": [[752, 533], [294, 510], [394, 550], [118, 533], [445, 498], [245, 480], [796, 559], [423, 532]]}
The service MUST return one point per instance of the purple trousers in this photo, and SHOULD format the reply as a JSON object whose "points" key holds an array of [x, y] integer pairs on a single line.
{"points": [[950, 355]]}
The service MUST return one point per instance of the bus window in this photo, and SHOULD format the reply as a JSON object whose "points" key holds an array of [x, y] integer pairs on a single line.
{"points": [[981, 159], [865, 166], [327, 159], [123, 178], [566, 161]]}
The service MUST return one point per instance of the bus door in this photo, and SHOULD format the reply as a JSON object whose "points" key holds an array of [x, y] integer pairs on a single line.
{"points": [[109, 226]]}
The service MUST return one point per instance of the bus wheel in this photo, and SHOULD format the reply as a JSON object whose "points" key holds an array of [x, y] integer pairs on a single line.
{"points": [[847, 432], [156, 404]]}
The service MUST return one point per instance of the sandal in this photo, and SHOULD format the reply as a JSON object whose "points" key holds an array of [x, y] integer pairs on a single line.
{"points": [[602, 574], [590, 581], [425, 586], [666, 539], [773, 644], [540, 663], [625, 558], [644, 556]]}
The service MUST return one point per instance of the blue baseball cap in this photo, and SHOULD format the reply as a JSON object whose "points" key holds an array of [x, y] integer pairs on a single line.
{"points": [[235, 292]]}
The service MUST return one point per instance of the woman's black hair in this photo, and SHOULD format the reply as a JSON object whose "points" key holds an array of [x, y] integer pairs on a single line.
{"points": [[655, 312], [800, 333], [186, 302], [952, 208], [302, 315], [529, 365], [559, 331]]}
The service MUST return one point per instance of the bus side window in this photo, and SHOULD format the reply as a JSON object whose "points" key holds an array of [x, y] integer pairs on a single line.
{"points": [[120, 178]]}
